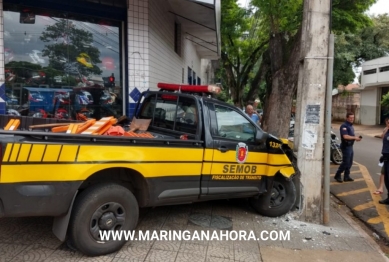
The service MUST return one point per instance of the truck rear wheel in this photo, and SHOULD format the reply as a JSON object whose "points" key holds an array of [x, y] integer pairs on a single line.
{"points": [[279, 201], [102, 208]]}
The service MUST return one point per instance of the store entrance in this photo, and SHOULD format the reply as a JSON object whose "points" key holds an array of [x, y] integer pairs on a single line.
{"points": [[62, 65]]}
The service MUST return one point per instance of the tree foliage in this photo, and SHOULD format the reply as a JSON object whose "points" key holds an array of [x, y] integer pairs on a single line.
{"points": [[268, 55], [70, 49], [352, 49], [385, 100], [350, 15], [242, 45]]}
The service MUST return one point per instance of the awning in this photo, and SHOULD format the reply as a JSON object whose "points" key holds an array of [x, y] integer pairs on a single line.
{"points": [[200, 22]]}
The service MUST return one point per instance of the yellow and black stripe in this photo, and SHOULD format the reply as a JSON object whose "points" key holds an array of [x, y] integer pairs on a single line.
{"points": [[54, 162], [66, 162]]}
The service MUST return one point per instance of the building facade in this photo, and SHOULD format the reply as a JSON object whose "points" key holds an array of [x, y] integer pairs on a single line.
{"points": [[374, 84], [77, 59], [346, 99]]}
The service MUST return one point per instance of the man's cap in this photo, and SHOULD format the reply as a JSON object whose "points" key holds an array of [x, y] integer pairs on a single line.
{"points": [[256, 100]]}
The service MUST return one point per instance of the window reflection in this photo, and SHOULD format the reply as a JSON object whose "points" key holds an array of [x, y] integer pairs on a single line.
{"points": [[232, 125], [170, 112], [61, 66]]}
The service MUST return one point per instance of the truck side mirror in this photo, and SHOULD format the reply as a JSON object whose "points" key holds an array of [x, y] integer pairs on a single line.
{"points": [[260, 136]]}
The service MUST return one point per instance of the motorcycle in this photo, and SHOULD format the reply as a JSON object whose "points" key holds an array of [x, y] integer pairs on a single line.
{"points": [[336, 155]]}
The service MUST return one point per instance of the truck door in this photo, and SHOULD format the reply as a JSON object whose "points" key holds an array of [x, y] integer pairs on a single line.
{"points": [[237, 160]]}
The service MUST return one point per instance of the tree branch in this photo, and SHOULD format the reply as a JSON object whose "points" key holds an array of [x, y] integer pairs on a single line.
{"points": [[232, 44], [258, 78], [253, 57]]}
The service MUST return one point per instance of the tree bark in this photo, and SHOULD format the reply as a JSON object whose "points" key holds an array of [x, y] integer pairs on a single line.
{"points": [[284, 85]]}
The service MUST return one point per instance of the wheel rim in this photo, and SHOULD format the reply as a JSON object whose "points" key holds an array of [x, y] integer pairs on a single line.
{"points": [[110, 216], [278, 195], [337, 157]]}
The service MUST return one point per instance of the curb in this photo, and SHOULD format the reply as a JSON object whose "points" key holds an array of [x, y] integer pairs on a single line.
{"points": [[361, 232]]}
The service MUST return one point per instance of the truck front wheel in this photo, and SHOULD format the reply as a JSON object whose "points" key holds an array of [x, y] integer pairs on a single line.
{"points": [[102, 208], [277, 202]]}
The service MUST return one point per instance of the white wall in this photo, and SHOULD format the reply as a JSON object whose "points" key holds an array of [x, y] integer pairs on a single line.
{"points": [[2, 76], [368, 111], [138, 50], [165, 64], [151, 54], [192, 60], [383, 76], [377, 79]]}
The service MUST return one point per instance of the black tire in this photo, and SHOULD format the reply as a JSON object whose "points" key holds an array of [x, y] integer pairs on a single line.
{"points": [[95, 209], [279, 201], [336, 156]]}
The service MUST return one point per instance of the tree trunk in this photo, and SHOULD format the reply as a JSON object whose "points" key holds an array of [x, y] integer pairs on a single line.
{"points": [[284, 85]]}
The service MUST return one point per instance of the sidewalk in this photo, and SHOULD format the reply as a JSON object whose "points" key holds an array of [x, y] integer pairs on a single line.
{"points": [[373, 131], [30, 239], [342, 240]]}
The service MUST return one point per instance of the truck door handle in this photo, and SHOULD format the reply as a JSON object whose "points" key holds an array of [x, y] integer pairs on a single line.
{"points": [[223, 149]]}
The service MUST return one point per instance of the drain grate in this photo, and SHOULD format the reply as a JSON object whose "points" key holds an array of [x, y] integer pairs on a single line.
{"points": [[208, 221]]}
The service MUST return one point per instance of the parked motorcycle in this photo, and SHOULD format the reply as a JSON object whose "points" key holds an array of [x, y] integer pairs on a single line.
{"points": [[336, 155]]}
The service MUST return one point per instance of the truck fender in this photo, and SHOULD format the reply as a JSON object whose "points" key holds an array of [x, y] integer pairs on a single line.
{"points": [[61, 223], [287, 172], [287, 142]]}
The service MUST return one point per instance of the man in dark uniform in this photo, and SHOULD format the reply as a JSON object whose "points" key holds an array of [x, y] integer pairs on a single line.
{"points": [[385, 159], [348, 137]]}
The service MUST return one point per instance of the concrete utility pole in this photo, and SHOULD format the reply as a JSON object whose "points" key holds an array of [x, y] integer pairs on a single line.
{"points": [[311, 105]]}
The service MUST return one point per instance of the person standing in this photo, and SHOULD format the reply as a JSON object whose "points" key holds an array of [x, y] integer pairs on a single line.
{"points": [[385, 158], [253, 115], [348, 138]]}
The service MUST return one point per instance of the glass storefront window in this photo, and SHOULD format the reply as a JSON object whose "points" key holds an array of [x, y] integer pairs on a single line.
{"points": [[61, 65]]}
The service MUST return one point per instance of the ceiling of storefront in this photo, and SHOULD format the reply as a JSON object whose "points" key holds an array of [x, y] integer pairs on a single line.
{"points": [[117, 3], [200, 20], [200, 23]]}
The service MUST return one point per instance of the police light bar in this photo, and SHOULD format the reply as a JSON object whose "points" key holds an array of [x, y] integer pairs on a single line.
{"points": [[190, 88]]}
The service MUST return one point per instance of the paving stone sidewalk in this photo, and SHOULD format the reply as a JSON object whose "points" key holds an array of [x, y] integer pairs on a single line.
{"points": [[30, 239]]}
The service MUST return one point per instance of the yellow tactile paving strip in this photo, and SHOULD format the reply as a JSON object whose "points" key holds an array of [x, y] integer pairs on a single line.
{"points": [[381, 209], [355, 180], [364, 206], [353, 192], [370, 187]]}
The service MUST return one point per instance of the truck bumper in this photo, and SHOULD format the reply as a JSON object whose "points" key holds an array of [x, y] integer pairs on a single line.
{"points": [[36, 199]]}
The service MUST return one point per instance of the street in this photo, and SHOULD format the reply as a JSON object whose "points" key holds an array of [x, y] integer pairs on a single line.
{"points": [[367, 152], [358, 195]]}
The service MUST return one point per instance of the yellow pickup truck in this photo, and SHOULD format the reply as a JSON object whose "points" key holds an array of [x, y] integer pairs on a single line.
{"points": [[201, 149]]}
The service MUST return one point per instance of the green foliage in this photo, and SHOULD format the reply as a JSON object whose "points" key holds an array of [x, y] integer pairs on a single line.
{"points": [[245, 34], [243, 41], [350, 15], [385, 100], [365, 44], [280, 15]]}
